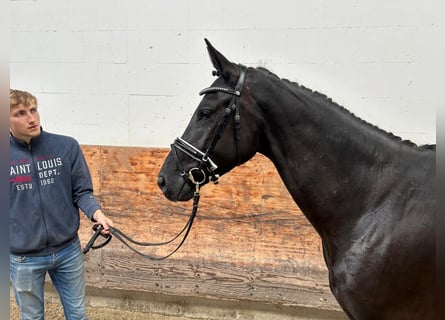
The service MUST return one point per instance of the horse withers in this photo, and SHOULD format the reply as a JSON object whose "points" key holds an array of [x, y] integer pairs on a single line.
{"points": [[368, 194]]}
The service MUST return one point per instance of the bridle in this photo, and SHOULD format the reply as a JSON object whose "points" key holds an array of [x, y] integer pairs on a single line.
{"points": [[206, 170]]}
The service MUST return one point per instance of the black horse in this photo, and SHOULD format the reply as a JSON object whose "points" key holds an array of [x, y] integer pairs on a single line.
{"points": [[369, 195]]}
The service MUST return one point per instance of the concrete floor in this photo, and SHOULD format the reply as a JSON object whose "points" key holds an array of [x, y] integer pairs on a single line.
{"points": [[121, 305]]}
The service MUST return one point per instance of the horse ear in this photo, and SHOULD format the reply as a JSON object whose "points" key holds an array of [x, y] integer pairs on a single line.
{"points": [[224, 67]]}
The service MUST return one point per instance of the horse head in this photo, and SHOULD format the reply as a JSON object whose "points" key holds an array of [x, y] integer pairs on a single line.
{"points": [[222, 133]]}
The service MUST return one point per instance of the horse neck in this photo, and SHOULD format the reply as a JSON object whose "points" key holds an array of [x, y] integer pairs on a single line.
{"points": [[326, 157]]}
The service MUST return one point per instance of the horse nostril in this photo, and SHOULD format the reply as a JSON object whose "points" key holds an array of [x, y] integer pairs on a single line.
{"points": [[161, 181]]}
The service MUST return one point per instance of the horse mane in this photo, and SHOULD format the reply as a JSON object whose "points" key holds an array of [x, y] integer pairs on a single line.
{"points": [[297, 88]]}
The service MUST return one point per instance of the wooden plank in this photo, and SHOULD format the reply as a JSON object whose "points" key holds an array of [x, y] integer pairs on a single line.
{"points": [[249, 241]]}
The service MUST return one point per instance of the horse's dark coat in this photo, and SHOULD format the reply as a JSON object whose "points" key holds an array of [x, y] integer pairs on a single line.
{"points": [[369, 195]]}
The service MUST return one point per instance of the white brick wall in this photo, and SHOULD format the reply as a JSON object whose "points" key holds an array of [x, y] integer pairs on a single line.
{"points": [[128, 72]]}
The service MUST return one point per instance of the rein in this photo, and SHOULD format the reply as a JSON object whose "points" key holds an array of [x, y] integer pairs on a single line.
{"points": [[196, 175], [126, 240]]}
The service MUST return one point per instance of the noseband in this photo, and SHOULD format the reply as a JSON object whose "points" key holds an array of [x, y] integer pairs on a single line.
{"points": [[206, 170]]}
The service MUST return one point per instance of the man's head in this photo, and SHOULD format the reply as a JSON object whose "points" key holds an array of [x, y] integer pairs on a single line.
{"points": [[24, 119]]}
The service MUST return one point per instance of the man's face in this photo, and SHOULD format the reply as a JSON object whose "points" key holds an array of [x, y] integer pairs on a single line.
{"points": [[24, 122]]}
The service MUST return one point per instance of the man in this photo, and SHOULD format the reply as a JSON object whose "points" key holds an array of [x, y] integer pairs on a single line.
{"points": [[49, 183]]}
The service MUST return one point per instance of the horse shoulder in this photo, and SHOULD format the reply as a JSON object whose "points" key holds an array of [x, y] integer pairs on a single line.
{"points": [[386, 269]]}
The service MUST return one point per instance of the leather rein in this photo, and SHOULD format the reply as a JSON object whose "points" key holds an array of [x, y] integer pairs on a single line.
{"points": [[194, 176]]}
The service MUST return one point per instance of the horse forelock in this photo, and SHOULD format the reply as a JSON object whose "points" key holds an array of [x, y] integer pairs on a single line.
{"points": [[324, 99]]}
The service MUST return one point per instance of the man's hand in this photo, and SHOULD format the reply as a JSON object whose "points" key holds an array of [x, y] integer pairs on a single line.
{"points": [[102, 219]]}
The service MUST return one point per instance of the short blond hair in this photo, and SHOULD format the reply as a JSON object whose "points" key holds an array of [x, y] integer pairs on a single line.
{"points": [[18, 97]]}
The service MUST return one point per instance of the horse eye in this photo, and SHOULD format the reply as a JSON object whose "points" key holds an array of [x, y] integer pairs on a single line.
{"points": [[205, 113]]}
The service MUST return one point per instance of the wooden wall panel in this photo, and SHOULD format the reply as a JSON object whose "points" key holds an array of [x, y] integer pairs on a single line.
{"points": [[249, 240]]}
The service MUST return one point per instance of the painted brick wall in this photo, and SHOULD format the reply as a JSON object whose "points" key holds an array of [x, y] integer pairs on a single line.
{"points": [[128, 72]]}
